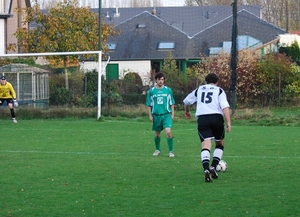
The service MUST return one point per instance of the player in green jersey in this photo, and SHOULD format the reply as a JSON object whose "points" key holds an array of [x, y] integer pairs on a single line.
{"points": [[160, 102]]}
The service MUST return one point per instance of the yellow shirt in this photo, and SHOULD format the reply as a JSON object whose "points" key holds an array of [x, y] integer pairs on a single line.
{"points": [[7, 91]]}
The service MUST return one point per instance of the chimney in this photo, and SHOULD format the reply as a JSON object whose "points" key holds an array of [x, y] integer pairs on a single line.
{"points": [[117, 14], [154, 11]]}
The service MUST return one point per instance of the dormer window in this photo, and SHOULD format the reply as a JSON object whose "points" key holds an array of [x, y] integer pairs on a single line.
{"points": [[141, 25], [112, 46], [166, 45]]}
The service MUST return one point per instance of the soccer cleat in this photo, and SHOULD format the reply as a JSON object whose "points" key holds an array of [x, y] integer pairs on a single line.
{"points": [[213, 172], [171, 154], [207, 176], [14, 120], [156, 153]]}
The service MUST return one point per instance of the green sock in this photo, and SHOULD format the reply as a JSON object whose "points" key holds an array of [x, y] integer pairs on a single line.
{"points": [[157, 143], [170, 144]]}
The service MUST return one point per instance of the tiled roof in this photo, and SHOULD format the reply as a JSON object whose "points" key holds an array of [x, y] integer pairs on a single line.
{"points": [[190, 20], [141, 43], [193, 29]]}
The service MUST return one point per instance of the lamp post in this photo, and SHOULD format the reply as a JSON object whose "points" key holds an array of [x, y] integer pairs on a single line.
{"points": [[233, 56]]}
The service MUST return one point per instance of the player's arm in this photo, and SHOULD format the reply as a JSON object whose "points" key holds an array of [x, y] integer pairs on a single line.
{"points": [[226, 113], [12, 92], [187, 111], [150, 113], [173, 111], [189, 100], [225, 108]]}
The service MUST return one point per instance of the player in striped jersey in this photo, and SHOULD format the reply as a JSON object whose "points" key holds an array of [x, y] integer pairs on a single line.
{"points": [[211, 109]]}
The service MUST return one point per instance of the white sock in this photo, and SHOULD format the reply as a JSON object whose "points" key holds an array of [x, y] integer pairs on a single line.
{"points": [[205, 155], [218, 153]]}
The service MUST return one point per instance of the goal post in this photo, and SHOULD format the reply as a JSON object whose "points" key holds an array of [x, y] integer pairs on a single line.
{"points": [[99, 53]]}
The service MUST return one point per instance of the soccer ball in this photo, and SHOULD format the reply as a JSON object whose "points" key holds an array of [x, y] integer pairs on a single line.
{"points": [[222, 166]]}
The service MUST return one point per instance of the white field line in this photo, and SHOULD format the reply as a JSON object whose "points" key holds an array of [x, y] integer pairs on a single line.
{"points": [[119, 153]]}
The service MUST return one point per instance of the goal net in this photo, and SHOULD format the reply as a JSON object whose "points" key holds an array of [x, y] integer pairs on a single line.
{"points": [[30, 75]]}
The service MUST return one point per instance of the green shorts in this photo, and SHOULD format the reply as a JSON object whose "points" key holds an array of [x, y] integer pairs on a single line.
{"points": [[161, 122]]}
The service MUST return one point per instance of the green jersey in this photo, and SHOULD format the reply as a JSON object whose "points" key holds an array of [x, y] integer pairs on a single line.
{"points": [[160, 100]]}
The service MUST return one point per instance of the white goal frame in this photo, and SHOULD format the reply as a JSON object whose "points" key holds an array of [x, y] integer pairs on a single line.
{"points": [[69, 54]]}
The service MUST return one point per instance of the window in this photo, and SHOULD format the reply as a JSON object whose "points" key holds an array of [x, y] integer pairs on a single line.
{"points": [[166, 45], [112, 46], [141, 25]]}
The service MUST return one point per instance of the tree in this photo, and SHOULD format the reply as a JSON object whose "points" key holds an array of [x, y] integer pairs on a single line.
{"points": [[174, 78], [207, 2], [283, 13], [246, 87], [292, 51], [295, 51], [66, 28], [274, 76], [47, 4]]}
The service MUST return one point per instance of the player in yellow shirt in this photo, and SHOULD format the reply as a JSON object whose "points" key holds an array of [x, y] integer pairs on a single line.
{"points": [[8, 94]]}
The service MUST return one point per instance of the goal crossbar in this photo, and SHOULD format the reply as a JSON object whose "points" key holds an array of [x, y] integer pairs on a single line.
{"points": [[69, 54]]}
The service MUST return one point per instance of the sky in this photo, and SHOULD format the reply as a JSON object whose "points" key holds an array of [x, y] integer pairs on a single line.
{"points": [[113, 3], [171, 3]]}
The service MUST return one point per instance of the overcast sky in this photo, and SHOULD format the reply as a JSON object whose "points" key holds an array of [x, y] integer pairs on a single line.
{"points": [[173, 2], [113, 3]]}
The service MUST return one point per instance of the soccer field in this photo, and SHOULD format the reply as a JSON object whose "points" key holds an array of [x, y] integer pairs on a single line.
{"points": [[106, 168]]}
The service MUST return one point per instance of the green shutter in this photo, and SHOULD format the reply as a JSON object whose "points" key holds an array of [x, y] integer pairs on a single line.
{"points": [[112, 72]]}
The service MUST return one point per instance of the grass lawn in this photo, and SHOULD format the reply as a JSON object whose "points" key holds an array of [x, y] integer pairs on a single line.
{"points": [[106, 168]]}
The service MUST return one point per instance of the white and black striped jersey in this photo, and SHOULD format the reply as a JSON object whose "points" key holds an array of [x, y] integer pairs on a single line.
{"points": [[210, 99]]}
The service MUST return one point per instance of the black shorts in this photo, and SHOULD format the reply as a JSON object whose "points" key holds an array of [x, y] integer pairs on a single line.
{"points": [[211, 127], [7, 100]]}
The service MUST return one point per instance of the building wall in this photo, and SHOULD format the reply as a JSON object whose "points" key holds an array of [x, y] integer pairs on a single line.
{"points": [[2, 36], [142, 68], [15, 22], [287, 39]]}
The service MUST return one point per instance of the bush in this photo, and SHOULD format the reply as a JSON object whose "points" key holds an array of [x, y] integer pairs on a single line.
{"points": [[60, 96]]}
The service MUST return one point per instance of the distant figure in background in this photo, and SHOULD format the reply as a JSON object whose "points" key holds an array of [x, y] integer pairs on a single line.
{"points": [[160, 102], [8, 94], [212, 107]]}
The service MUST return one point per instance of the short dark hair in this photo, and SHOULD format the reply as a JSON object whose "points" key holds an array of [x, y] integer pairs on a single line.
{"points": [[159, 75], [211, 78]]}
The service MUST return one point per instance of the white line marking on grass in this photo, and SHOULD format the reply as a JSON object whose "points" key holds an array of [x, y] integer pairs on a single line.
{"points": [[263, 157], [66, 152], [118, 153]]}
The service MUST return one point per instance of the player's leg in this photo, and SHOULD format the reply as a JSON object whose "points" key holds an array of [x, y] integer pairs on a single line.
{"points": [[205, 135], [205, 153], [219, 134], [157, 127], [170, 142], [218, 153], [205, 159], [12, 111], [157, 144], [167, 123]]}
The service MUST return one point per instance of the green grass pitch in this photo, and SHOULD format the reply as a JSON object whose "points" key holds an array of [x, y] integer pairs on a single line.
{"points": [[106, 168]]}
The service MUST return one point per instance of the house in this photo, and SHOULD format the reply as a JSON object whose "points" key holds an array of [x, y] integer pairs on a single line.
{"points": [[10, 20], [289, 39], [149, 34]]}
